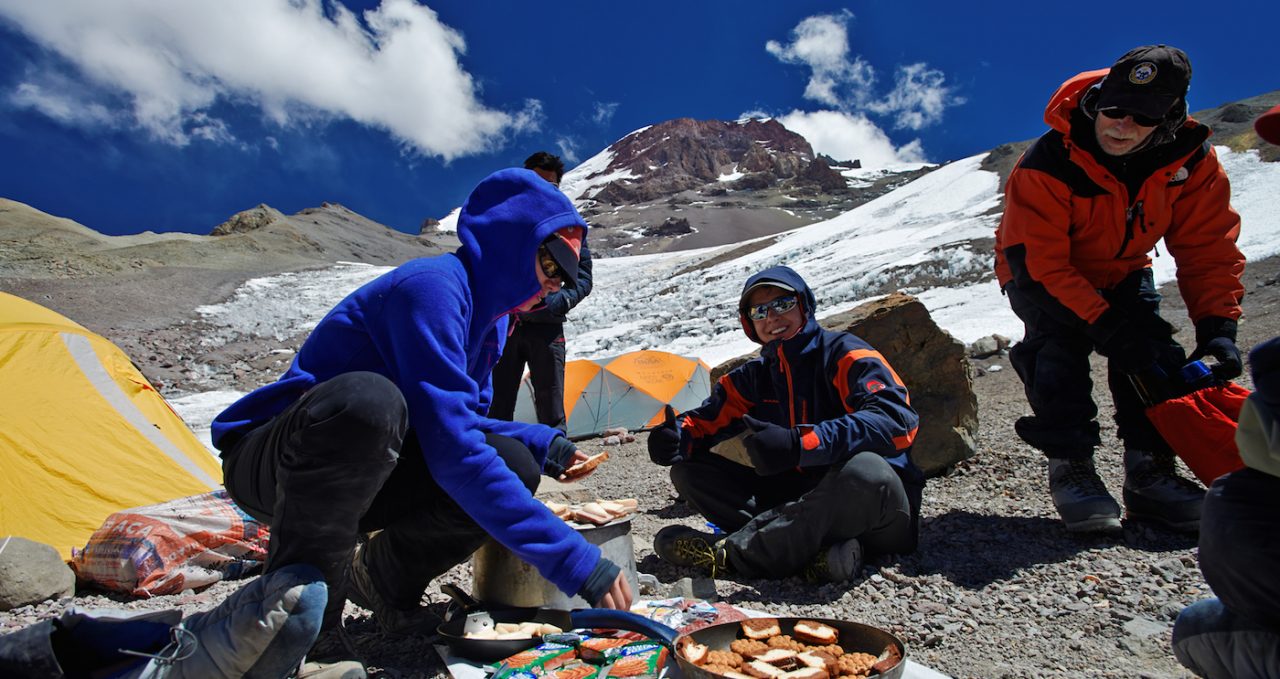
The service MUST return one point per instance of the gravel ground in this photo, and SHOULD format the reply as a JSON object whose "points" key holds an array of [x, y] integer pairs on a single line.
{"points": [[997, 588]]}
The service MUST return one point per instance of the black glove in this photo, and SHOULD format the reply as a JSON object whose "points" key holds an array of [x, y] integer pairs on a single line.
{"points": [[1216, 337], [559, 452], [664, 441], [1122, 342], [773, 449]]}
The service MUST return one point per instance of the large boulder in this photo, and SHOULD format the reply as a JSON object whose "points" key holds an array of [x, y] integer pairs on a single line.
{"points": [[930, 361], [31, 572]]}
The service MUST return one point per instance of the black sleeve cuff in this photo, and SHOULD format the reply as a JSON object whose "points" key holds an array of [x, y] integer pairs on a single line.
{"points": [[599, 582], [1211, 327]]}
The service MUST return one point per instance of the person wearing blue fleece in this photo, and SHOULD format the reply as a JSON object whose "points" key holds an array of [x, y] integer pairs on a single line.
{"points": [[379, 426], [827, 425]]}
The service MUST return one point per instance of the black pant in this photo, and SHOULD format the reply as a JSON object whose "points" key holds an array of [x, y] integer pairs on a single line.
{"points": [[1053, 361], [777, 524], [541, 345], [328, 469]]}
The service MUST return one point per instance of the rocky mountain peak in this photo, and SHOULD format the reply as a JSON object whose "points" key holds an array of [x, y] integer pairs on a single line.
{"points": [[248, 220]]}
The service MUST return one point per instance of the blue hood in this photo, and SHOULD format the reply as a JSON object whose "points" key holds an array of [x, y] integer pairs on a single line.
{"points": [[788, 278], [499, 246]]}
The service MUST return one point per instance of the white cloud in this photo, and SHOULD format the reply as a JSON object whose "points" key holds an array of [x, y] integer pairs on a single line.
{"points": [[394, 67], [58, 105], [847, 81], [569, 149], [603, 112], [919, 97], [850, 136]]}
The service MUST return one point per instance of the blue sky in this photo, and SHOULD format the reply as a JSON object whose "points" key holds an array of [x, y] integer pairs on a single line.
{"points": [[171, 115]]}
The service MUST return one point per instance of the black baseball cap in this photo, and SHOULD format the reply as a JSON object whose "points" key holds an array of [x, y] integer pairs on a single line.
{"points": [[565, 246], [1147, 80]]}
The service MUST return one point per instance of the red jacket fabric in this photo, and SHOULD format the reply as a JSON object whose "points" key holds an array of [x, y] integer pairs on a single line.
{"points": [[1071, 228]]}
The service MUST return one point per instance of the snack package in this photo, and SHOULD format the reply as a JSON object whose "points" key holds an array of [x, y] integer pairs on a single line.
{"points": [[639, 660], [534, 662]]}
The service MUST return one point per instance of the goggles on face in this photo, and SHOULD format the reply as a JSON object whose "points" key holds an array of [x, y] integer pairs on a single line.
{"points": [[1138, 118], [550, 267], [779, 305]]}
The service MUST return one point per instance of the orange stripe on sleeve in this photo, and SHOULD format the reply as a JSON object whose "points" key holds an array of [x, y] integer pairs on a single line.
{"points": [[810, 440], [735, 406], [904, 442], [846, 363]]}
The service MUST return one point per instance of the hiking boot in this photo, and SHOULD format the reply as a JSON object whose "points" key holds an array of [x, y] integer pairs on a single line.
{"points": [[1080, 498], [391, 620], [838, 563], [328, 658], [1154, 491], [685, 546], [262, 630]]}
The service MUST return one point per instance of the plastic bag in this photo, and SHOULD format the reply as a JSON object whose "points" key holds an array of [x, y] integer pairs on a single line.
{"points": [[182, 544]]}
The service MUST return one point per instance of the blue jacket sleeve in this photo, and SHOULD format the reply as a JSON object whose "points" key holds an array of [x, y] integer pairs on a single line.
{"points": [[422, 332], [880, 418]]}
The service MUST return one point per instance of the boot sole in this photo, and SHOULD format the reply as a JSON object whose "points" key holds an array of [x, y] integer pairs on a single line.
{"points": [[1096, 524], [1182, 527]]}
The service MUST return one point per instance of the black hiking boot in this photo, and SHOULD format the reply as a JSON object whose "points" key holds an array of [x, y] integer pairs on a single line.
{"points": [[391, 620], [685, 546], [1154, 491], [1080, 498]]}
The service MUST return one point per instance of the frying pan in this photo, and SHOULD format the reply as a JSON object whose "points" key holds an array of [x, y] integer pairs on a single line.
{"points": [[491, 650], [854, 637]]}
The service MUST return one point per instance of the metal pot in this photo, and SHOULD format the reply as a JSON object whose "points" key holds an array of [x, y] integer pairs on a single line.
{"points": [[503, 579]]}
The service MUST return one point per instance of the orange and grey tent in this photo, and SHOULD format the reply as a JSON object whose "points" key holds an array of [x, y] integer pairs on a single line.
{"points": [[82, 432], [626, 391]]}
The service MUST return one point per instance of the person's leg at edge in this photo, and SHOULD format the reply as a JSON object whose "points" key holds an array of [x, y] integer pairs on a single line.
{"points": [[864, 498], [1214, 643], [423, 531], [546, 372], [506, 376], [312, 472]]}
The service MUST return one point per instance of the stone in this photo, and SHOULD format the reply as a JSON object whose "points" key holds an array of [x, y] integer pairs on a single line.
{"points": [[930, 362], [32, 572]]}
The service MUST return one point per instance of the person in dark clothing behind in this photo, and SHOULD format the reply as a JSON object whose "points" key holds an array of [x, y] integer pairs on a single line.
{"points": [[1237, 634], [828, 429], [380, 423], [537, 335], [1122, 167]]}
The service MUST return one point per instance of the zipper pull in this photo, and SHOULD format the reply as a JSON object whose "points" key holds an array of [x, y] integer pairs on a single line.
{"points": [[1142, 218]]}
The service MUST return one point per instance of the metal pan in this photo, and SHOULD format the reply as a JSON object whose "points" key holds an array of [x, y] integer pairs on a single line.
{"points": [[855, 637], [491, 650]]}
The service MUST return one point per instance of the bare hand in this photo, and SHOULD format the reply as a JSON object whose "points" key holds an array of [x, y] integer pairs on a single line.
{"points": [[619, 596], [578, 458]]}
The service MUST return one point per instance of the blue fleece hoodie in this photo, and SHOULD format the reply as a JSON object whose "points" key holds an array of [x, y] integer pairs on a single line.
{"points": [[435, 327]]}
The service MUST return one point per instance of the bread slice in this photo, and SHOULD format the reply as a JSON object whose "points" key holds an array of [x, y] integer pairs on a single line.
{"points": [[586, 465], [813, 632], [694, 652], [592, 513], [807, 673], [762, 670], [760, 628]]}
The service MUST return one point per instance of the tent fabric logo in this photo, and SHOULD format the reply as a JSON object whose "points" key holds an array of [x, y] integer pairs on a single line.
{"points": [[1142, 73]]}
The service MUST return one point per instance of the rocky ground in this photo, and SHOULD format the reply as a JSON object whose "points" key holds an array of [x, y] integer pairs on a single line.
{"points": [[997, 588]]}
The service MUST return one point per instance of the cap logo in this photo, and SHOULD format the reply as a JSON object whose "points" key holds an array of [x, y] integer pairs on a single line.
{"points": [[1143, 73]]}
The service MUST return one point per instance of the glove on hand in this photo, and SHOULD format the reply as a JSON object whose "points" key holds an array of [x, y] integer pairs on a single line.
{"points": [[773, 449], [559, 454], [664, 441], [1129, 348], [1216, 337]]}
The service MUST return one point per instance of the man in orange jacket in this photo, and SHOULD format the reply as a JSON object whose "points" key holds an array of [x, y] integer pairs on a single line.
{"points": [[1122, 167]]}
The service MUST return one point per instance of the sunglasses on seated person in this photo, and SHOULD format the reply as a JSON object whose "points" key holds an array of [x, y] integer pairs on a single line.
{"points": [[779, 305], [1138, 118], [550, 267]]}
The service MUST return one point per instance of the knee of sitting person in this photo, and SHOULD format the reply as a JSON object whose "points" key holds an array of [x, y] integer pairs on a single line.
{"points": [[366, 402], [867, 469], [518, 459]]}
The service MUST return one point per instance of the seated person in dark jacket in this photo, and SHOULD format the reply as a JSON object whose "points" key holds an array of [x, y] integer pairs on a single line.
{"points": [[1238, 633], [827, 426], [380, 424]]}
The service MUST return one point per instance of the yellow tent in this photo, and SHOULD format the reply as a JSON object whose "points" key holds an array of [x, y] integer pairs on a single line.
{"points": [[82, 432], [624, 391]]}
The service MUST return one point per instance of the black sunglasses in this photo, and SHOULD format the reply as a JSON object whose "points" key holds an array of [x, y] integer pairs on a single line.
{"points": [[1138, 118], [779, 305], [550, 267]]}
